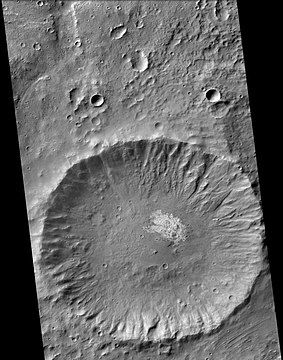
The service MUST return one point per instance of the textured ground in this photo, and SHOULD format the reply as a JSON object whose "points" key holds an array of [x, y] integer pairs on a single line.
{"points": [[140, 179]]}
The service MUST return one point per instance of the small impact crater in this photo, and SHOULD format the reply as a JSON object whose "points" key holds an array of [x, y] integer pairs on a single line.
{"points": [[97, 100], [221, 12], [213, 95], [139, 61], [37, 46], [118, 32], [158, 126]]}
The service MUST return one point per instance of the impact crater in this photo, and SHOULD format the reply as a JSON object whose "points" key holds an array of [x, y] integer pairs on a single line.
{"points": [[138, 236]]}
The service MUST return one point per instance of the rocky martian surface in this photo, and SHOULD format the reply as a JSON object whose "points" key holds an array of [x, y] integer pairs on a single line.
{"points": [[141, 180]]}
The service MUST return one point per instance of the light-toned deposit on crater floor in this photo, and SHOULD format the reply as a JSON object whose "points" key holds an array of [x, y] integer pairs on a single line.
{"points": [[140, 180]]}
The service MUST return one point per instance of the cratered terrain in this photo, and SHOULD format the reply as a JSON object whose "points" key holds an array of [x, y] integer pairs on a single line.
{"points": [[141, 180]]}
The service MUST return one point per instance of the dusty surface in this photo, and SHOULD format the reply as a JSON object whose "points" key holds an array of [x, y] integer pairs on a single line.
{"points": [[140, 178]]}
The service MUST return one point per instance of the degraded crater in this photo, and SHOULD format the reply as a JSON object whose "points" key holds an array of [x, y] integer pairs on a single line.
{"points": [[152, 240]]}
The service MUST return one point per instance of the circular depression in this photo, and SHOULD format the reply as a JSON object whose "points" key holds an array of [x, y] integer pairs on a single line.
{"points": [[153, 239]]}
